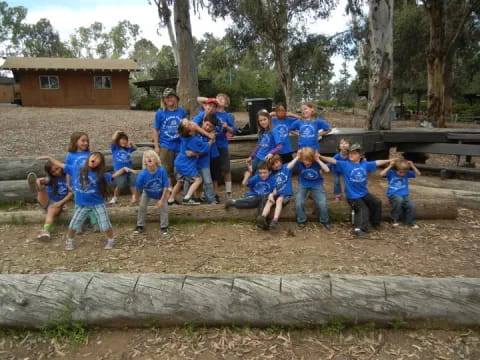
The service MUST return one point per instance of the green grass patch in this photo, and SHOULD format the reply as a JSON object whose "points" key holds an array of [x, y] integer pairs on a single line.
{"points": [[10, 205]]}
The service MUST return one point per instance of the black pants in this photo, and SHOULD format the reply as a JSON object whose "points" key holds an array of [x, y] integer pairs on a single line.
{"points": [[286, 158], [367, 210], [251, 202]]}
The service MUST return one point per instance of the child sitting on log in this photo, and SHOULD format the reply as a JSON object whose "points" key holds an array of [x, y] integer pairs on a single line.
{"points": [[260, 186], [153, 180], [90, 187], [367, 208], [52, 193], [122, 148], [397, 174], [281, 194]]}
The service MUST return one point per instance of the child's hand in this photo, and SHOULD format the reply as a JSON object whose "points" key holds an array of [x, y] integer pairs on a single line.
{"points": [[44, 157], [159, 204], [271, 199], [317, 156], [268, 157], [299, 153], [410, 163], [249, 161], [211, 136], [157, 149], [56, 205], [130, 143], [190, 153]]}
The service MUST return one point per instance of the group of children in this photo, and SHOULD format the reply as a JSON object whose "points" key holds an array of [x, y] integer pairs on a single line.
{"points": [[188, 154]]}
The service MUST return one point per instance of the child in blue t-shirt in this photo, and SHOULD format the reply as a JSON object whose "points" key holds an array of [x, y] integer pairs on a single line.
{"points": [[367, 208], [282, 122], [397, 174], [269, 143], [342, 154], [122, 148], [186, 162], [90, 187], [52, 193], [310, 129], [153, 180], [310, 180], [281, 194]]}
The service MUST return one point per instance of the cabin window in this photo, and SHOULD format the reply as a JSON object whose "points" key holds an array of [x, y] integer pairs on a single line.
{"points": [[102, 82], [49, 82]]}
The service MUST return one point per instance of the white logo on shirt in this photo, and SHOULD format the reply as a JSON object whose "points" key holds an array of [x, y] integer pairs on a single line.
{"points": [[170, 127], [281, 180], [122, 156], [261, 188], [282, 131], [397, 184], [153, 186], [307, 131], [310, 174], [358, 175]]}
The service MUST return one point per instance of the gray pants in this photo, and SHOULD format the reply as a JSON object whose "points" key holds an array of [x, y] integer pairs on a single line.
{"points": [[142, 211]]}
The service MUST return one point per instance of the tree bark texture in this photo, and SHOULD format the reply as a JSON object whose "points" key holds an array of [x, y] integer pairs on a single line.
{"points": [[187, 87], [115, 300], [165, 14], [433, 204], [380, 86]]}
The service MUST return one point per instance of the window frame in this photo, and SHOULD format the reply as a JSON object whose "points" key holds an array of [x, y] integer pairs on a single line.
{"points": [[103, 77], [49, 82]]}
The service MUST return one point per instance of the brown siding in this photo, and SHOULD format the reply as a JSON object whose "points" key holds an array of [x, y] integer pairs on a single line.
{"points": [[76, 90], [6, 93]]}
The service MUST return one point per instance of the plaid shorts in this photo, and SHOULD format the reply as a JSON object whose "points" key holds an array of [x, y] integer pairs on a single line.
{"points": [[82, 212], [188, 179]]}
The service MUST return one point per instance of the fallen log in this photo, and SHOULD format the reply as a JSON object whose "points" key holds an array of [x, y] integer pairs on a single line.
{"points": [[115, 300], [441, 207]]}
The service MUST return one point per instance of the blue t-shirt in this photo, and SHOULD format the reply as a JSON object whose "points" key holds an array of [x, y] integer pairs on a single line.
{"points": [[267, 140], [309, 176], [259, 187], [62, 189], [187, 165], [283, 128], [283, 181], [90, 194], [221, 139], [308, 132], [77, 159], [167, 122], [398, 185], [121, 156], [203, 161], [152, 183], [355, 177], [332, 167]]}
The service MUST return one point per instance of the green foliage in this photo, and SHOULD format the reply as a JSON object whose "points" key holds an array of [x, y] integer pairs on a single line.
{"points": [[334, 326], [326, 103], [362, 329], [11, 205], [151, 103], [466, 109], [398, 323]]}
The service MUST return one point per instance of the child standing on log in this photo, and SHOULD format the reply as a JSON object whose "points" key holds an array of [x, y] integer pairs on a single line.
{"points": [[153, 180], [78, 152], [342, 154], [52, 193], [260, 186], [90, 187], [310, 128], [122, 148], [310, 180], [281, 194], [367, 208], [282, 122], [397, 174], [269, 143]]}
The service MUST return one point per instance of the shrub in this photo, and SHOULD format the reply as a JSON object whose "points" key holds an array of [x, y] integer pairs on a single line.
{"points": [[151, 103]]}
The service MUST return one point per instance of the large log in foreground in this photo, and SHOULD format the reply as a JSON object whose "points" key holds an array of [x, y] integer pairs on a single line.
{"points": [[436, 208], [100, 299]]}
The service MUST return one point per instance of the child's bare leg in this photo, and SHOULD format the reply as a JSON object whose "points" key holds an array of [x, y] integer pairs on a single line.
{"points": [[71, 233], [246, 176], [278, 208], [134, 194], [116, 192], [267, 208], [109, 233], [52, 213], [196, 184], [42, 197], [175, 191]]}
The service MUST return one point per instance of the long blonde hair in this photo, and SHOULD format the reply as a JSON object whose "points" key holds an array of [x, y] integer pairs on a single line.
{"points": [[314, 108]]}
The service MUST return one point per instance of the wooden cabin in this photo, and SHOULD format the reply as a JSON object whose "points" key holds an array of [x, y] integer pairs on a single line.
{"points": [[71, 82], [7, 90]]}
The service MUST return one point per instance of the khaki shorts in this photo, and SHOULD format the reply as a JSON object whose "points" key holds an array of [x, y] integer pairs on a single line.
{"points": [[167, 157]]}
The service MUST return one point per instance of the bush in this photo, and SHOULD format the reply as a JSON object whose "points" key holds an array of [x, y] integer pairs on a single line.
{"points": [[326, 103], [151, 103], [466, 109]]}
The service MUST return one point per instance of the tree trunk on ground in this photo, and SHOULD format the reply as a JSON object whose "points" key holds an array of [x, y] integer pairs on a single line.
{"points": [[117, 300], [381, 64], [187, 87]]}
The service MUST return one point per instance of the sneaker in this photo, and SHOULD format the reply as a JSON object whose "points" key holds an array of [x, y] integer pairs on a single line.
{"points": [[395, 223], [301, 225], [327, 226], [172, 202], [43, 235], [32, 182], [229, 203], [190, 202], [139, 230], [199, 200], [217, 199], [359, 233], [164, 232], [95, 228], [110, 244], [414, 226], [262, 222], [70, 244], [113, 201], [274, 225]]}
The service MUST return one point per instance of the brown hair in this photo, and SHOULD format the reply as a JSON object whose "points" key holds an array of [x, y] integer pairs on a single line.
{"points": [[100, 170], [270, 124], [314, 108], [307, 154], [183, 129], [262, 165], [120, 135], [344, 140], [53, 179], [227, 98], [272, 160], [72, 146]]}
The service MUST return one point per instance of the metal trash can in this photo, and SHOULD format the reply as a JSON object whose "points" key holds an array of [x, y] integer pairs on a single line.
{"points": [[254, 106]]}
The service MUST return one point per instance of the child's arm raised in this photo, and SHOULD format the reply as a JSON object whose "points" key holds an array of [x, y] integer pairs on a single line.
{"points": [[385, 162], [52, 160], [203, 132], [328, 159], [323, 166], [414, 168], [114, 136], [385, 171], [292, 163]]}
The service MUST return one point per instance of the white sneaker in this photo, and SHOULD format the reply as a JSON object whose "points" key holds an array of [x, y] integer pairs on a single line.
{"points": [[395, 224], [415, 226], [110, 244], [113, 201], [70, 244]]}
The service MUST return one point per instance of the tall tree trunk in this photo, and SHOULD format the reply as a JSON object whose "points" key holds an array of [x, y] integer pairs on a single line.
{"points": [[165, 15], [187, 87], [436, 63], [381, 64]]}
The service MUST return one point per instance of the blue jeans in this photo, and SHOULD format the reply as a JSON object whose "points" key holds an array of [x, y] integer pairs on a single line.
{"points": [[318, 193], [337, 186], [402, 205], [208, 185]]}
